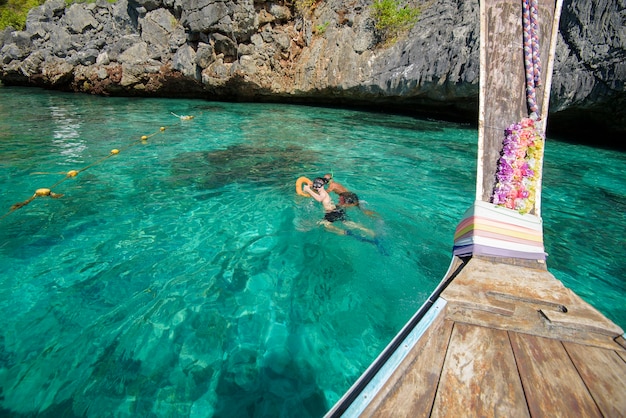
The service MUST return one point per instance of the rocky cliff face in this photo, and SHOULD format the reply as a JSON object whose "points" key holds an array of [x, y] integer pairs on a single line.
{"points": [[329, 53]]}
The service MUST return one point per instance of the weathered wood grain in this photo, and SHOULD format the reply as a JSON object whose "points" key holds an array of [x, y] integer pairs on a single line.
{"points": [[525, 300], [603, 373], [479, 375], [551, 382], [410, 390]]}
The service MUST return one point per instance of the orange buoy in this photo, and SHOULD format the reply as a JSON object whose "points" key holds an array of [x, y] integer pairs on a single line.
{"points": [[299, 183]]}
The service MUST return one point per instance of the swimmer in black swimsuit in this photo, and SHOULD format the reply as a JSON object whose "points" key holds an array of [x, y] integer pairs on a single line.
{"points": [[332, 213], [337, 214]]}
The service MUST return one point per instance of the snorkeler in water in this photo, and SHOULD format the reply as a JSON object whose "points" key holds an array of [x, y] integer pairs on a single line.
{"points": [[333, 213], [346, 197]]}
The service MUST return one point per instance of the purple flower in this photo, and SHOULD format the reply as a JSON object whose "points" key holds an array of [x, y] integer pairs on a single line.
{"points": [[515, 172]]}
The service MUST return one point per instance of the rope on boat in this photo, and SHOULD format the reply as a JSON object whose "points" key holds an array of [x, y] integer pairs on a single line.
{"points": [[47, 191], [532, 59]]}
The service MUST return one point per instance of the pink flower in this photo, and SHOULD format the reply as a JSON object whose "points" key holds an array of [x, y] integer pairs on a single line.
{"points": [[527, 123], [518, 165]]}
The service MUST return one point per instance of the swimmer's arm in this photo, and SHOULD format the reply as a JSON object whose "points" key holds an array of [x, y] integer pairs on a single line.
{"points": [[314, 195], [337, 188]]}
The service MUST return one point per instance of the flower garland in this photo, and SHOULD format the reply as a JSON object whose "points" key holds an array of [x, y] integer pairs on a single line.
{"points": [[518, 167]]}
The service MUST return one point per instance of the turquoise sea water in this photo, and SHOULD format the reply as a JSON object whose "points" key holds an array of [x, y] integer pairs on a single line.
{"points": [[183, 277]]}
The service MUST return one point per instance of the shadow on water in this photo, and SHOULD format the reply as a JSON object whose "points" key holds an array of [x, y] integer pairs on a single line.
{"points": [[239, 164], [271, 381]]}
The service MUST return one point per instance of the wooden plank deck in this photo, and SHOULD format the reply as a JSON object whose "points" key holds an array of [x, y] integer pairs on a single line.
{"points": [[478, 359]]}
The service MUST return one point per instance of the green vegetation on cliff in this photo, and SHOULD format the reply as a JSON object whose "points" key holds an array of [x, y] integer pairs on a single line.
{"points": [[13, 12], [393, 17]]}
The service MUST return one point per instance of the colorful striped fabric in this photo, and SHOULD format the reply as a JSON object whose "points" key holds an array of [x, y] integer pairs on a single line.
{"points": [[487, 229]]}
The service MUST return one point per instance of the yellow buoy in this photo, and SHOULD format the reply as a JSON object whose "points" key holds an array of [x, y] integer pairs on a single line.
{"points": [[144, 137], [72, 173], [115, 151], [162, 128], [42, 192], [303, 180]]}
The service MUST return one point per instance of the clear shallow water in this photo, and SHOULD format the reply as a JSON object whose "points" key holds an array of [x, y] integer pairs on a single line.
{"points": [[184, 277]]}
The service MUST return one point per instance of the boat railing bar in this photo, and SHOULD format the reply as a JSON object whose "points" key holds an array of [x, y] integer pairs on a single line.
{"points": [[456, 265]]}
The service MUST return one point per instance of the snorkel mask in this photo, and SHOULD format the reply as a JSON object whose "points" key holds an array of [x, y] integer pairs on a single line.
{"points": [[318, 183]]}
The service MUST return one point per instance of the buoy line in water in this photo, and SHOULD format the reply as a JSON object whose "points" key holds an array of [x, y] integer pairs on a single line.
{"points": [[47, 191]]}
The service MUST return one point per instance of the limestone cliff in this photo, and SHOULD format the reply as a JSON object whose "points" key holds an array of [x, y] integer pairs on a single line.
{"points": [[328, 52]]}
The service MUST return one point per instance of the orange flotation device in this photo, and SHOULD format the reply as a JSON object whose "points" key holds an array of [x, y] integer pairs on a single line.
{"points": [[299, 183]]}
